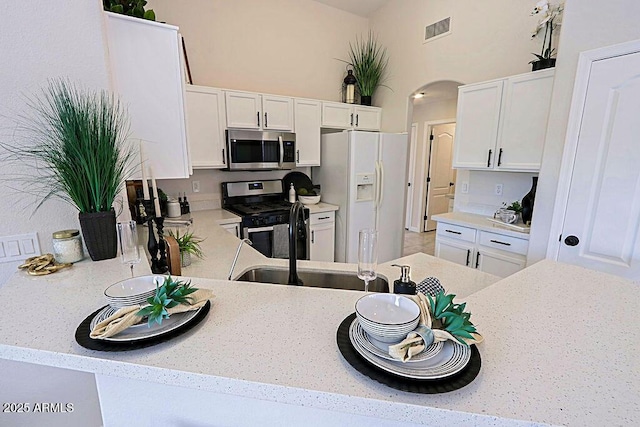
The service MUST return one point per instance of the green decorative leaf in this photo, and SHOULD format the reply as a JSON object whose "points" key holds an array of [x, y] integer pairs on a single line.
{"points": [[150, 15], [170, 294]]}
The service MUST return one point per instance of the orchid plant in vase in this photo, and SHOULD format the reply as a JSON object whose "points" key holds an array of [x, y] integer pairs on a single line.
{"points": [[549, 17]]}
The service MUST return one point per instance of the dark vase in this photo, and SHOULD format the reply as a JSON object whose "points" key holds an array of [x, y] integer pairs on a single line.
{"points": [[543, 63], [99, 233], [365, 100], [527, 202]]}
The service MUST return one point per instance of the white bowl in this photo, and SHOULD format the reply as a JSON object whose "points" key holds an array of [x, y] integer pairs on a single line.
{"points": [[309, 200], [131, 289], [387, 309]]}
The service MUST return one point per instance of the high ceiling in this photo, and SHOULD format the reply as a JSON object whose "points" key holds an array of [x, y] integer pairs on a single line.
{"points": [[362, 8]]}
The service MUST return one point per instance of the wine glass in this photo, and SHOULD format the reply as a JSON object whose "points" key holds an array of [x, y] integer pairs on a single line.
{"points": [[128, 242], [367, 256]]}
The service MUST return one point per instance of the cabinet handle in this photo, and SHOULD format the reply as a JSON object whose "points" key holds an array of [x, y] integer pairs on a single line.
{"points": [[500, 157], [351, 119], [468, 255], [477, 259], [297, 156], [313, 236], [324, 217], [224, 161], [265, 120], [500, 243], [258, 115], [357, 116], [454, 232], [489, 159]]}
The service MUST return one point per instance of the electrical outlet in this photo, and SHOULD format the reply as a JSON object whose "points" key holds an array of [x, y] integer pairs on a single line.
{"points": [[498, 190], [464, 188], [195, 185]]}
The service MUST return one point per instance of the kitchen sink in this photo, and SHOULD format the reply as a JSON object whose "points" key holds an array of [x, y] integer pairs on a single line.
{"points": [[316, 279]]}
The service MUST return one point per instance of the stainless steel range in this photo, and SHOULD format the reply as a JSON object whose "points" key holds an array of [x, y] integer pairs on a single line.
{"points": [[265, 216]]}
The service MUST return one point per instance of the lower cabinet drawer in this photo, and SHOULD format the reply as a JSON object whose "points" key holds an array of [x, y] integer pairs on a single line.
{"points": [[456, 232], [321, 218], [503, 243]]}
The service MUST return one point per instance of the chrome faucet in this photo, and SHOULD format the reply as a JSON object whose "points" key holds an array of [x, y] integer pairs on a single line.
{"points": [[235, 259], [297, 209]]}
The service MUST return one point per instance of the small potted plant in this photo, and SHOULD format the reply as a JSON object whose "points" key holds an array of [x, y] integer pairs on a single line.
{"points": [[369, 62], [189, 245], [129, 7], [549, 21]]}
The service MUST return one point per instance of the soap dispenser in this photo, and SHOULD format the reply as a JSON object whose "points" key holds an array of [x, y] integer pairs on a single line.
{"points": [[404, 285], [292, 194]]}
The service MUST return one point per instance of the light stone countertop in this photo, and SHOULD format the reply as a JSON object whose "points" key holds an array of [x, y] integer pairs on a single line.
{"points": [[479, 222], [548, 356]]}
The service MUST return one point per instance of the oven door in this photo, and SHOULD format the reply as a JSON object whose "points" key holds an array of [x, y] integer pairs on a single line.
{"points": [[262, 239]]}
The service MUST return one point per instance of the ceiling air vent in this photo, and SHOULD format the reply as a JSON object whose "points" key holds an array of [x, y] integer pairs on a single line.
{"points": [[437, 30]]}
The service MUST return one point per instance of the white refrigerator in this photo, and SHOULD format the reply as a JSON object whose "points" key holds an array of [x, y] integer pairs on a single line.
{"points": [[365, 174]]}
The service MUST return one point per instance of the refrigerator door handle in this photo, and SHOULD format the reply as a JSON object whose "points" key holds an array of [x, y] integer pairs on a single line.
{"points": [[381, 197], [376, 201]]}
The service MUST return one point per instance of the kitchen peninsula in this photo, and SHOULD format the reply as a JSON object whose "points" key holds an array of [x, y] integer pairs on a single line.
{"points": [[267, 353]]}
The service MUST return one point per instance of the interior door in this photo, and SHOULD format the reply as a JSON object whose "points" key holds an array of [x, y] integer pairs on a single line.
{"points": [[441, 174], [601, 227]]}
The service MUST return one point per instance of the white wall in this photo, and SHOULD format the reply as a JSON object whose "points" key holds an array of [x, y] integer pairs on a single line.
{"points": [[587, 24], [41, 40], [287, 47]]}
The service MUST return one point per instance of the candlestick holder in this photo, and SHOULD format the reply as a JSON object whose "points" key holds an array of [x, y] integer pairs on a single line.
{"points": [[157, 248]]}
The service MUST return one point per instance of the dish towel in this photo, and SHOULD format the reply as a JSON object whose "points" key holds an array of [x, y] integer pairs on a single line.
{"points": [[415, 341], [280, 244], [126, 316]]}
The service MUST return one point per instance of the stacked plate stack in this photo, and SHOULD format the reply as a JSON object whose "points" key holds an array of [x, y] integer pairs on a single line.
{"points": [[132, 291], [387, 317]]}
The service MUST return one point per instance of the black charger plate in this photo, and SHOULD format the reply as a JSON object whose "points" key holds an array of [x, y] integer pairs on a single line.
{"points": [[83, 338], [441, 385]]}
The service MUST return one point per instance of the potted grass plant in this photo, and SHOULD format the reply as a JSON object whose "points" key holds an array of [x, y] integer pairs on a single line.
{"points": [[369, 62], [74, 148], [189, 244]]}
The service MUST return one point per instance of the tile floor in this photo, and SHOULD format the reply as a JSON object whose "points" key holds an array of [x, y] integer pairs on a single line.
{"points": [[419, 242]]}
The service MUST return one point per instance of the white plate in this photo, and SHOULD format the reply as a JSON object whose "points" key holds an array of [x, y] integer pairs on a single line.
{"points": [[381, 349], [133, 287], [450, 360], [142, 331]]}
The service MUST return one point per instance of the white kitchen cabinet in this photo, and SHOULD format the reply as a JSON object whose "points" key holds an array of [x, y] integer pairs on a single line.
{"points": [[205, 113], [339, 115], [248, 110], [491, 252], [322, 230], [308, 116], [147, 73], [233, 228], [501, 124]]}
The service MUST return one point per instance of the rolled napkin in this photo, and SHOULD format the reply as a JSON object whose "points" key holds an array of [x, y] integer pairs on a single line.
{"points": [[423, 336], [126, 316]]}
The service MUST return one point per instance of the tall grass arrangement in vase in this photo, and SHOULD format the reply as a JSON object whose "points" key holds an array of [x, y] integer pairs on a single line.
{"points": [[369, 61], [75, 149]]}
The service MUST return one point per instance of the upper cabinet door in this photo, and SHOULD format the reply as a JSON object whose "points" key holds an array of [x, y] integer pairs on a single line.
{"points": [[307, 119], [205, 127], [477, 125], [525, 110], [147, 74], [367, 118], [277, 112], [243, 110], [337, 115]]}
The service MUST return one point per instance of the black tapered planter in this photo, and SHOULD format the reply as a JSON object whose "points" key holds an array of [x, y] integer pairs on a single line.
{"points": [[543, 63], [365, 100], [527, 202], [99, 233]]}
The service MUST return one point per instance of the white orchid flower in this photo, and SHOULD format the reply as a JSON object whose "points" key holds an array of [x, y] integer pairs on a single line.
{"points": [[541, 7]]}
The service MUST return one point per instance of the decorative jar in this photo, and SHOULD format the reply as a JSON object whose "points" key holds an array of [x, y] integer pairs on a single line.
{"points": [[67, 246]]}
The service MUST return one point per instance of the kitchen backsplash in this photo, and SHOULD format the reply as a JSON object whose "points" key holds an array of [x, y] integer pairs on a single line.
{"points": [[481, 198], [209, 181]]}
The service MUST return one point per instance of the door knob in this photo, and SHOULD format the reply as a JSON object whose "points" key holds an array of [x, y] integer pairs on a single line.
{"points": [[571, 241]]}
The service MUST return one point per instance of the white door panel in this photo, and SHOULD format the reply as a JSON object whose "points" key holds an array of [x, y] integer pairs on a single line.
{"points": [[603, 207], [441, 173]]}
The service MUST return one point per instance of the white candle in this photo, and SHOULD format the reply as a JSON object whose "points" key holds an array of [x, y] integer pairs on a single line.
{"points": [[156, 198], [145, 183]]}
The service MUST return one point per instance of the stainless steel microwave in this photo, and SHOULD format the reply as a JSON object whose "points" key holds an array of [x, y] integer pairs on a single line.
{"points": [[257, 150]]}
